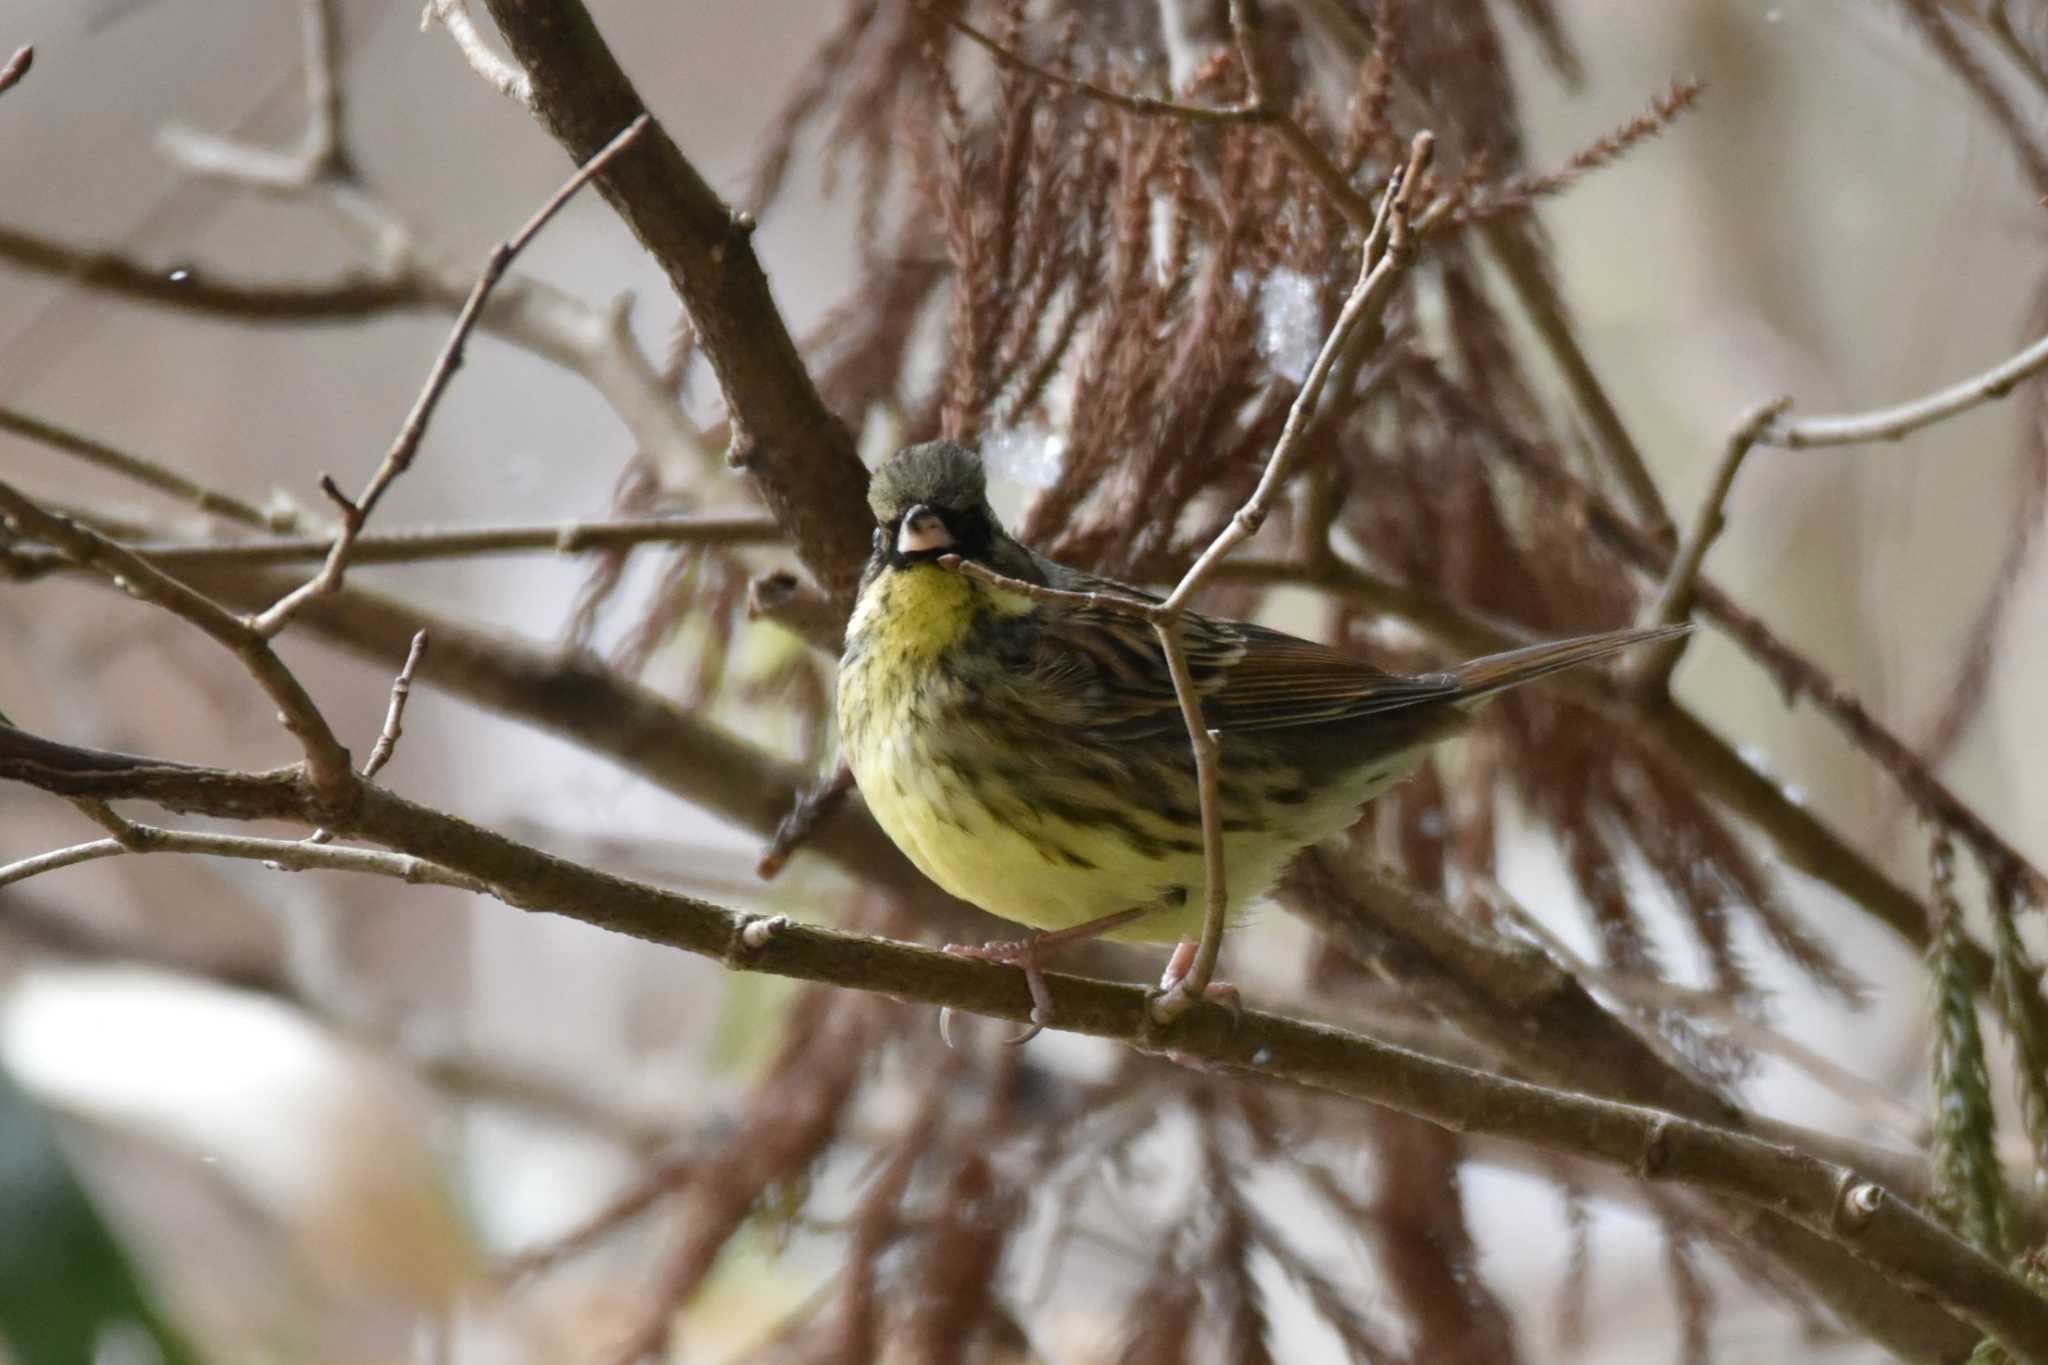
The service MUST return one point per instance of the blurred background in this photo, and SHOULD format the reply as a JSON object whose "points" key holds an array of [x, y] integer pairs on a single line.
{"points": [[321, 1112]]}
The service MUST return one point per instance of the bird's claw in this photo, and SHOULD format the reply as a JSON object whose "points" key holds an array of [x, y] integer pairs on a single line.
{"points": [[1023, 954]]}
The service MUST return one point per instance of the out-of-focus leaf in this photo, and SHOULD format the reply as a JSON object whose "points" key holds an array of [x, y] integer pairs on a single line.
{"points": [[65, 1283]]}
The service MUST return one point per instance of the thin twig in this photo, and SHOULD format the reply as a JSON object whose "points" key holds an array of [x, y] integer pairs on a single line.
{"points": [[355, 512], [143, 470], [17, 66], [1832, 1201], [780, 596], [394, 722], [423, 544], [394, 718], [499, 73], [815, 804], [1385, 258], [281, 855], [594, 342], [321, 154], [1674, 600], [1891, 424], [327, 762]]}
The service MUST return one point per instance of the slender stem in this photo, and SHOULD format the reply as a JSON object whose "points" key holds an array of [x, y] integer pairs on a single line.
{"points": [[1369, 297], [399, 458], [417, 545], [1832, 1201], [143, 470], [394, 716], [1674, 600], [327, 762], [17, 66], [56, 858], [1890, 424], [394, 722], [283, 855], [498, 72]]}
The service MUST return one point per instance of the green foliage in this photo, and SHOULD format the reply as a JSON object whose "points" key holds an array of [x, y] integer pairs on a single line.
{"points": [[65, 1283], [1970, 1192], [2017, 990]]}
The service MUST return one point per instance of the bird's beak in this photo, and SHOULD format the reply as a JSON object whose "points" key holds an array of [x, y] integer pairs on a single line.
{"points": [[922, 531]]}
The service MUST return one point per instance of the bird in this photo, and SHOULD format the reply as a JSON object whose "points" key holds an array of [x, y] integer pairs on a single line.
{"points": [[1029, 753]]}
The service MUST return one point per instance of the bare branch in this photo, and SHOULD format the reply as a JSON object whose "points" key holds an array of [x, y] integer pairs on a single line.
{"points": [[17, 66], [595, 343], [1674, 601], [1768, 425], [816, 804], [321, 154], [394, 722], [423, 544], [327, 762], [1894, 423], [800, 455], [1388, 248], [139, 468], [1826, 1199], [282, 855], [498, 73], [357, 511]]}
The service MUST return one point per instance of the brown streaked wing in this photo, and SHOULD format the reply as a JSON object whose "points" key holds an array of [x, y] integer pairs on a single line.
{"points": [[1110, 674]]}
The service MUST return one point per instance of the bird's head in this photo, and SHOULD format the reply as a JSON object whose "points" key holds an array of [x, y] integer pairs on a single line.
{"points": [[931, 500]]}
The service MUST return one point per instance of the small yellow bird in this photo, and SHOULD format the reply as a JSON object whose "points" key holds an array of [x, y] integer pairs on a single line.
{"points": [[1030, 756]]}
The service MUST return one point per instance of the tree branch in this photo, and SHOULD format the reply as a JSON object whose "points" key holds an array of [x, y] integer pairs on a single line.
{"points": [[801, 456], [355, 512], [507, 79], [147, 472], [422, 544], [327, 762], [17, 66], [1831, 1201], [595, 343], [1895, 423]]}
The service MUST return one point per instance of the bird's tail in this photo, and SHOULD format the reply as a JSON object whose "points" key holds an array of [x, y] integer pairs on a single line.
{"points": [[1482, 678]]}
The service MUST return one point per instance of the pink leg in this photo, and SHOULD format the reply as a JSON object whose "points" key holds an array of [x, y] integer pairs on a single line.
{"points": [[1030, 954], [1177, 967]]}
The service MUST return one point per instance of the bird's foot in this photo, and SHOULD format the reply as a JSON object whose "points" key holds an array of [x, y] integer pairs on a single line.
{"points": [[1030, 954], [1173, 999]]}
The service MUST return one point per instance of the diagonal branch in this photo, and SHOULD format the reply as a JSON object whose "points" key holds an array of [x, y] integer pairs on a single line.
{"points": [[327, 762], [356, 511], [147, 472], [1829, 1200], [417, 545], [17, 66], [801, 456]]}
